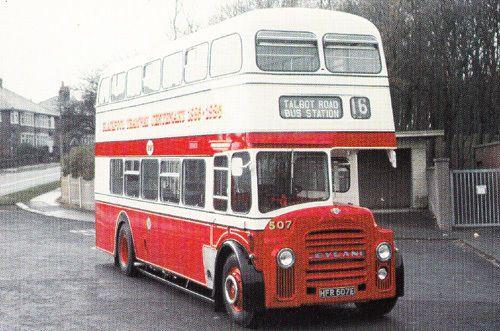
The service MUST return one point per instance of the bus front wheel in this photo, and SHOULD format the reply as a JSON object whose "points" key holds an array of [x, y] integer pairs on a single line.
{"points": [[232, 295], [376, 308], [125, 254]]}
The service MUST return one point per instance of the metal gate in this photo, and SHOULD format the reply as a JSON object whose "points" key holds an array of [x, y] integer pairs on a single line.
{"points": [[475, 197]]}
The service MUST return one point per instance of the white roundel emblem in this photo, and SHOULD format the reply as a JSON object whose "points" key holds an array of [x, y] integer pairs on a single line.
{"points": [[148, 223], [150, 147], [336, 211]]}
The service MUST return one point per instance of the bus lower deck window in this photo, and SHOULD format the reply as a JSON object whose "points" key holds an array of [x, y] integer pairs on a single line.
{"points": [[220, 183], [169, 181], [193, 180], [132, 179], [149, 175], [116, 182], [341, 174], [241, 186]]}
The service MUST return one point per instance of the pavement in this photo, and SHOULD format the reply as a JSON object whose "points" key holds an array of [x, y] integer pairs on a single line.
{"points": [[18, 179], [48, 204], [53, 278], [419, 225]]}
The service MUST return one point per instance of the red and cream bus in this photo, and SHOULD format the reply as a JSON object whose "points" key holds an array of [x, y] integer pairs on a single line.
{"points": [[226, 163]]}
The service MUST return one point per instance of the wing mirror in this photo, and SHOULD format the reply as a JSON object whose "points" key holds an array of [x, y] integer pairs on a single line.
{"points": [[391, 154]]}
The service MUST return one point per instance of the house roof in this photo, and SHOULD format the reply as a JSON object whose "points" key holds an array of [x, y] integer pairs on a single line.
{"points": [[51, 104], [10, 100]]}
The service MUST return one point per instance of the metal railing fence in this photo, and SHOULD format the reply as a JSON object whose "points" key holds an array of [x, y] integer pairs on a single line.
{"points": [[475, 197]]}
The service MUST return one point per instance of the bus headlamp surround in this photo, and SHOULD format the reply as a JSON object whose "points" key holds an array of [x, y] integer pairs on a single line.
{"points": [[384, 252], [285, 258]]}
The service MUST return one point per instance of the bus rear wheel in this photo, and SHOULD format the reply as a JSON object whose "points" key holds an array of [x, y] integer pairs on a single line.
{"points": [[125, 254], [232, 295], [376, 308]]}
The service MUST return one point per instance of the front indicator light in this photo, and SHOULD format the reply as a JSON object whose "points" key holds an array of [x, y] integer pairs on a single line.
{"points": [[285, 258], [384, 252], [382, 273]]}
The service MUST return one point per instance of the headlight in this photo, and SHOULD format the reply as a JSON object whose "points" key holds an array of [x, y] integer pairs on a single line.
{"points": [[382, 273], [384, 252], [285, 258]]}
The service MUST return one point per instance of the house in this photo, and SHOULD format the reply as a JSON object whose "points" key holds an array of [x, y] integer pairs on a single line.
{"points": [[25, 122]]}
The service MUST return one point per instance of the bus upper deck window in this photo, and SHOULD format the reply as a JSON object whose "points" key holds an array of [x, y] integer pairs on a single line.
{"points": [[118, 87], [225, 55], [104, 91], [172, 70], [345, 53], [134, 82], [196, 65], [287, 51], [151, 77]]}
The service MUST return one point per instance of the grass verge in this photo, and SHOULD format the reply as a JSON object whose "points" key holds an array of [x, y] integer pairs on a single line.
{"points": [[28, 194]]}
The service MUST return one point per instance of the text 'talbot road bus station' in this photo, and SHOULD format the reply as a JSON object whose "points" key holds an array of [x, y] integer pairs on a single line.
{"points": [[226, 164]]}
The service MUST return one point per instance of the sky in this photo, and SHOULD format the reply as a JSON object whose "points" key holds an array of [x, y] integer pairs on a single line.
{"points": [[43, 43]]}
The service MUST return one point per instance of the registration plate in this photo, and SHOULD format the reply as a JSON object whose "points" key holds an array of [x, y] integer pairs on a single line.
{"points": [[336, 292]]}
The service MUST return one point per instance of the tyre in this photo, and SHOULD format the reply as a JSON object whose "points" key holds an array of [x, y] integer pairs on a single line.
{"points": [[376, 308], [125, 255], [232, 295]]}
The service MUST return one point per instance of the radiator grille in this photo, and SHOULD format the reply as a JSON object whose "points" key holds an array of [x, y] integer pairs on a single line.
{"points": [[285, 285], [346, 267]]}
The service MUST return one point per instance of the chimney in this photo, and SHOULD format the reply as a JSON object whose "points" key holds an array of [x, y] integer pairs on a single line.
{"points": [[1, 83]]}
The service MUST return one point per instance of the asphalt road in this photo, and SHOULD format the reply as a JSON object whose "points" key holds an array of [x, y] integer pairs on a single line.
{"points": [[51, 278], [11, 182]]}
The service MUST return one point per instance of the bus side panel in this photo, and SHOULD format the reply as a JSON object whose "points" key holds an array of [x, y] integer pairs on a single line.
{"points": [[105, 227], [181, 246], [171, 243]]}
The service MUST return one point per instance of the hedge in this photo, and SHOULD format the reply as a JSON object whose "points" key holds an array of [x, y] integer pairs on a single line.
{"points": [[79, 162]]}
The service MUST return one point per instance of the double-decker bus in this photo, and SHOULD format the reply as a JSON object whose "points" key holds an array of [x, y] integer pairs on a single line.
{"points": [[226, 164]]}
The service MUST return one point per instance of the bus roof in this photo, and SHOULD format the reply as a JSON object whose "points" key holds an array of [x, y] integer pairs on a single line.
{"points": [[247, 24]]}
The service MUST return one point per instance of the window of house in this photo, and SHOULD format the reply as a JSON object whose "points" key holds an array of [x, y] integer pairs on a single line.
{"points": [[104, 91], [346, 53], [220, 183], [172, 70], [225, 55], [151, 77], [196, 63], [27, 138], [170, 173], [193, 182], [14, 117], [116, 176], [118, 87], [134, 82], [287, 51], [27, 118], [149, 181], [341, 174], [241, 186], [52, 123], [132, 180]]}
